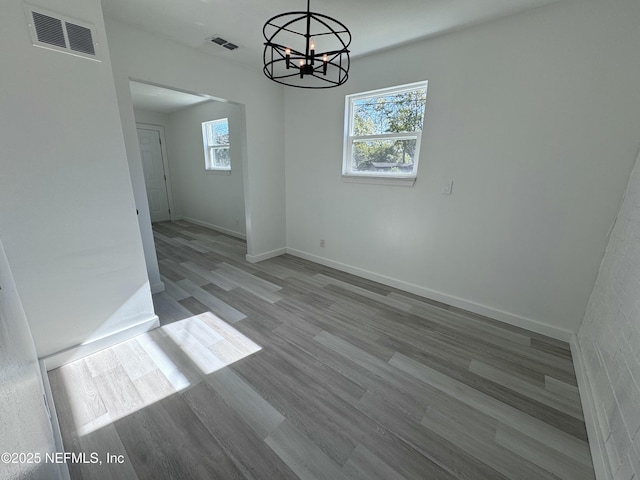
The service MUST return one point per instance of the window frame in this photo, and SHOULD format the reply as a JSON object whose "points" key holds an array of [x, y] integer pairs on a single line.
{"points": [[209, 155], [348, 174]]}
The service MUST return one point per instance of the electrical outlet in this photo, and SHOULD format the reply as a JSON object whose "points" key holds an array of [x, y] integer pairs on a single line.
{"points": [[322, 243]]}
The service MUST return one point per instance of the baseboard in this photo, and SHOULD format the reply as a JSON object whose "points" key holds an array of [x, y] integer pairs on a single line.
{"points": [[55, 425], [506, 317], [596, 441], [215, 227], [266, 255], [157, 288], [74, 353]]}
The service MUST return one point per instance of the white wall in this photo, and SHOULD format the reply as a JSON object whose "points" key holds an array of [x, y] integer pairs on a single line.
{"points": [[24, 423], [534, 117], [214, 199], [132, 147], [68, 218], [151, 118], [608, 343], [153, 59]]}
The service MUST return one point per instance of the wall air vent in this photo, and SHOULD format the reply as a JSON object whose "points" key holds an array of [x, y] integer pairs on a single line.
{"points": [[49, 30], [80, 39], [218, 40], [57, 32]]}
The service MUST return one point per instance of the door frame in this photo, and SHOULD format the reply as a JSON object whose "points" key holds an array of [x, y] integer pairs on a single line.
{"points": [[165, 163]]}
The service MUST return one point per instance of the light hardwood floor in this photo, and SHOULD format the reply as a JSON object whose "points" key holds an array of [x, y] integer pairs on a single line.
{"points": [[286, 369]]}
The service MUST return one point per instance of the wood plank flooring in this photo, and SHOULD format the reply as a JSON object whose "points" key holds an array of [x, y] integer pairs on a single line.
{"points": [[286, 369]]}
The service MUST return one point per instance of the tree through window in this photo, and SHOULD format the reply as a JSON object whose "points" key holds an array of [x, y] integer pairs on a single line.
{"points": [[215, 137], [384, 130]]}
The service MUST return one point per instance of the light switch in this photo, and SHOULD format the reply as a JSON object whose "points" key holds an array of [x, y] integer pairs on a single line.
{"points": [[447, 188]]}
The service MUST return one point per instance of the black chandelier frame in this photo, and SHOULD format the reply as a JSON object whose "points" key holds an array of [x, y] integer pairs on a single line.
{"points": [[284, 64]]}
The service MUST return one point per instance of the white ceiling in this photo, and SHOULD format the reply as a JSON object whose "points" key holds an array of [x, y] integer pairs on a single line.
{"points": [[374, 24]]}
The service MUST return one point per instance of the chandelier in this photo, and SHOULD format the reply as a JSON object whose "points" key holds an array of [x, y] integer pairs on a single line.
{"points": [[306, 50]]}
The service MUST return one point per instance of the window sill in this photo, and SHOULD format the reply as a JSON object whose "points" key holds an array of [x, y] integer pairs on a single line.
{"points": [[398, 181], [218, 172]]}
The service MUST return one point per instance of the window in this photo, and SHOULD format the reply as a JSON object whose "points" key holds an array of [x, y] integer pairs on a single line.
{"points": [[382, 133], [215, 136]]}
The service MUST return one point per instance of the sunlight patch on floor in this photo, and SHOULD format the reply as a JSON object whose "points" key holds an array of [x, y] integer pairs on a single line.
{"points": [[116, 382]]}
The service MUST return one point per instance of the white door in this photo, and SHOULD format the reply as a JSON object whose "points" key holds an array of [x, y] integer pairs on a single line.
{"points": [[154, 174]]}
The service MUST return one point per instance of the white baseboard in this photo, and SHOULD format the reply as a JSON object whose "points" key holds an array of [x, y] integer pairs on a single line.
{"points": [[265, 256], [601, 465], [215, 227], [506, 317], [63, 469], [157, 288], [74, 353]]}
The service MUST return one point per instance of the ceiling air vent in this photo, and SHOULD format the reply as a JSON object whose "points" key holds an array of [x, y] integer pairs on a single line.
{"points": [[218, 40], [57, 32]]}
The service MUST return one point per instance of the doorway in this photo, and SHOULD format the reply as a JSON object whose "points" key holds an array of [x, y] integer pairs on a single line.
{"points": [[150, 138], [209, 197]]}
